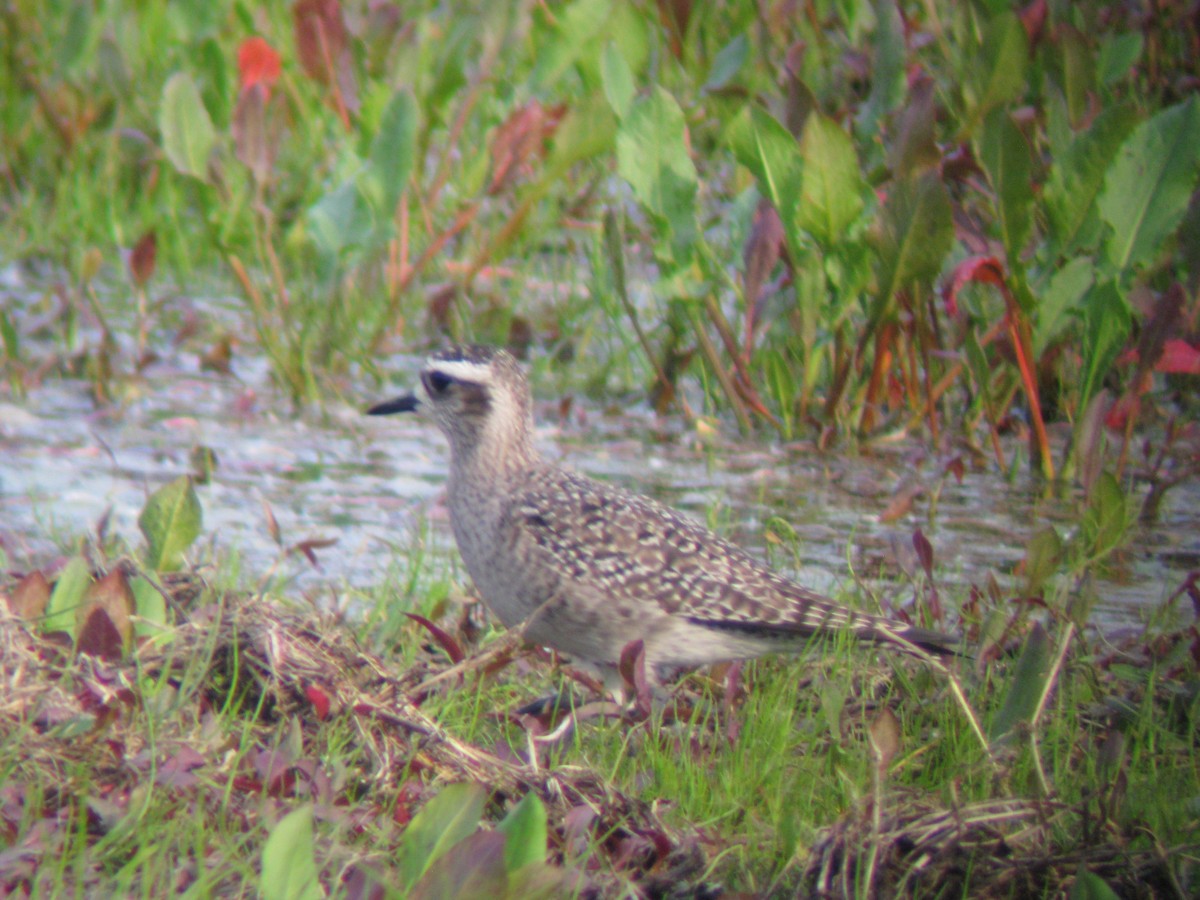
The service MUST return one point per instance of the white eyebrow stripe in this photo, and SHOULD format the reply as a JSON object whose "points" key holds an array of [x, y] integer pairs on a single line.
{"points": [[460, 369]]}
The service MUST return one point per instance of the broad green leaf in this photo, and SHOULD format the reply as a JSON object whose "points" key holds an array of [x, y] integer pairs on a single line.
{"points": [[761, 144], [587, 131], [572, 32], [1061, 300], [1027, 685], [187, 130], [918, 231], [289, 870], [998, 76], [170, 522], [340, 220], [150, 606], [67, 596], [1106, 318], [1118, 54], [888, 61], [1078, 72], [77, 38], [831, 187], [524, 829], [617, 79], [394, 149], [445, 820], [1005, 155], [1090, 886], [727, 63], [473, 869], [652, 155], [1106, 519], [1042, 555], [1149, 184], [1077, 174]]}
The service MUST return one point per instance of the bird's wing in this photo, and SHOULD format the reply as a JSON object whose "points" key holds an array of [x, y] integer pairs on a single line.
{"points": [[646, 554]]}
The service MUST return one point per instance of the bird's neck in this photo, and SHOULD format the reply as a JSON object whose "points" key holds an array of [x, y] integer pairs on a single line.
{"points": [[497, 453]]}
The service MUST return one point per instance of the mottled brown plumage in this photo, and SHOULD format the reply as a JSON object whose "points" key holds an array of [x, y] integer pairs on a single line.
{"points": [[586, 567]]}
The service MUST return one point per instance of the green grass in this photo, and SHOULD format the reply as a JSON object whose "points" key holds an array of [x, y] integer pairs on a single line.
{"points": [[754, 784]]}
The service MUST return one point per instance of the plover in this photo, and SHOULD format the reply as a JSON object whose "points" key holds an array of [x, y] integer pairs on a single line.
{"points": [[585, 567]]}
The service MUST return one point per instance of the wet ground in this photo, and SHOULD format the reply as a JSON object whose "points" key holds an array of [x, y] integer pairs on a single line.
{"points": [[374, 483]]}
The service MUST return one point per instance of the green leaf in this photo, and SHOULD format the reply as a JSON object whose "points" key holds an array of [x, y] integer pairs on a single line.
{"points": [[10, 337], [150, 606], [918, 231], [473, 869], [1005, 155], [1106, 519], [1148, 186], [1042, 555], [652, 155], [1061, 301], [728, 62], [445, 820], [888, 60], [760, 143], [587, 131], [998, 77], [831, 187], [341, 220], [187, 130], [617, 80], [1078, 73], [394, 150], [1118, 54], [170, 522], [524, 829], [1028, 684], [562, 41], [1090, 886], [1106, 326], [67, 596], [1077, 175], [289, 870]]}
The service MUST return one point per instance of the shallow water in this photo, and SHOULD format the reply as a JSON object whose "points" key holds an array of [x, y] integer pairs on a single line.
{"points": [[371, 483]]}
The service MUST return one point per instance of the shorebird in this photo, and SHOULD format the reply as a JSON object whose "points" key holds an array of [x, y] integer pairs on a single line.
{"points": [[585, 567]]}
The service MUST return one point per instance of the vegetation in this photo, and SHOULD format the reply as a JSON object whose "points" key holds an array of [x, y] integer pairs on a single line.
{"points": [[842, 220]]}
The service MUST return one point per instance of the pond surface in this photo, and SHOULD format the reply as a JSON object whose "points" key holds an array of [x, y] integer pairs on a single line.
{"points": [[373, 483]]}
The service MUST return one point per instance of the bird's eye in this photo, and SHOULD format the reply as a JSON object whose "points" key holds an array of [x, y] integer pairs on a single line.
{"points": [[437, 382]]}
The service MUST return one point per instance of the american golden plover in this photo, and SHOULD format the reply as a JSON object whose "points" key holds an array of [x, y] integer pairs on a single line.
{"points": [[586, 567]]}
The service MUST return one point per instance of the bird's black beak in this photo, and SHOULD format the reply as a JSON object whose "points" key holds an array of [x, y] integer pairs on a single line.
{"points": [[407, 403]]}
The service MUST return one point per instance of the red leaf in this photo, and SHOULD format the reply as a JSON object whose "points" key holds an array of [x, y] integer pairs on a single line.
{"points": [[1120, 411], [924, 551], [982, 269], [253, 142], [311, 544], [447, 643], [320, 37], [258, 63], [319, 699], [323, 49], [29, 598], [99, 636], [1033, 18], [522, 136], [1179, 357], [141, 260]]}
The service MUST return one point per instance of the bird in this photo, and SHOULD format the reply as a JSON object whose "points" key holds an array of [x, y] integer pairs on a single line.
{"points": [[586, 567]]}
